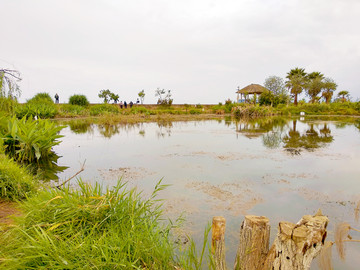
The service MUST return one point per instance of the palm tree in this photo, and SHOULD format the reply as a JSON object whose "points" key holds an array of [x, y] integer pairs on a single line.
{"points": [[344, 95], [314, 75], [296, 82], [314, 85], [329, 88]]}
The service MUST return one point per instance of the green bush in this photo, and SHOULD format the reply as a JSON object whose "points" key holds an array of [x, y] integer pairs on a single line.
{"points": [[41, 98], [90, 229], [28, 141], [40, 110], [80, 100], [41, 106], [72, 110], [139, 109], [103, 109], [194, 111], [16, 182]]}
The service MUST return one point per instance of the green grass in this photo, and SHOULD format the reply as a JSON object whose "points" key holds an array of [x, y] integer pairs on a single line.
{"points": [[16, 183], [89, 228], [335, 108]]}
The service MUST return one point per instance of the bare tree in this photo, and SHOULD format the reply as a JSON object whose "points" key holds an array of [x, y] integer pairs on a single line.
{"points": [[9, 79]]}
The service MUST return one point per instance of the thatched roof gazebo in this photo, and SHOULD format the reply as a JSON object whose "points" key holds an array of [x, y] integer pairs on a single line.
{"points": [[250, 90]]}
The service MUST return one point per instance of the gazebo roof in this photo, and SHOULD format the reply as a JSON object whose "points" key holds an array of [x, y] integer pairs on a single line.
{"points": [[252, 89]]}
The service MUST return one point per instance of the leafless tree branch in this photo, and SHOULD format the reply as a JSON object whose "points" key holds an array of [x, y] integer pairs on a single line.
{"points": [[81, 169]]}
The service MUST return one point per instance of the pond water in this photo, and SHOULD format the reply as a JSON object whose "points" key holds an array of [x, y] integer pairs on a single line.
{"points": [[277, 167]]}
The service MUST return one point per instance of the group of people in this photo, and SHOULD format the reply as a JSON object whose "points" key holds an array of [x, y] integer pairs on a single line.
{"points": [[124, 105], [121, 104]]}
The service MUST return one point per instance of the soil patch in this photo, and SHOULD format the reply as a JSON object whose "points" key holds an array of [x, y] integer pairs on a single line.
{"points": [[8, 209], [232, 197]]}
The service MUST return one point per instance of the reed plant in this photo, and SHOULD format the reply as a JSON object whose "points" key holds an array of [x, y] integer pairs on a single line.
{"points": [[90, 228]]}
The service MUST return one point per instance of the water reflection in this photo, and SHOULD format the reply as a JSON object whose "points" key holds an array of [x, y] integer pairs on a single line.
{"points": [[313, 137], [164, 129], [281, 132], [81, 126], [47, 169], [276, 132]]}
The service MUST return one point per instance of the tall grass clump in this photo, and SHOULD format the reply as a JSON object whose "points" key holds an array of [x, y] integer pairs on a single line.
{"points": [[16, 182], [89, 228], [103, 109], [80, 100], [40, 106], [68, 110]]}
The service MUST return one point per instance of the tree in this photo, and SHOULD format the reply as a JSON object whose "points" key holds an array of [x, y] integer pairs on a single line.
{"points": [[162, 98], [141, 95], [9, 79], [314, 75], [275, 84], [296, 82], [114, 97], [344, 95], [106, 95], [328, 89], [314, 87], [278, 93]]}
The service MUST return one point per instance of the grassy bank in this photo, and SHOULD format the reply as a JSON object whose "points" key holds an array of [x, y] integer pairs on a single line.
{"points": [[93, 228]]}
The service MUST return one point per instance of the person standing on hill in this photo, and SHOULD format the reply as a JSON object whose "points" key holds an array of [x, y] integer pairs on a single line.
{"points": [[56, 98], [125, 104]]}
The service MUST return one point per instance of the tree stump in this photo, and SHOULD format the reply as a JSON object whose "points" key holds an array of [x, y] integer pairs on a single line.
{"points": [[254, 243], [218, 242], [296, 245]]}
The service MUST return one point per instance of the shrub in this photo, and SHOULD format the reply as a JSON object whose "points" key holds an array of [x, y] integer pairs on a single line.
{"points": [[194, 111], [41, 98], [28, 141], [90, 229], [72, 110], [103, 109], [40, 110], [139, 109], [80, 100], [41, 106]]}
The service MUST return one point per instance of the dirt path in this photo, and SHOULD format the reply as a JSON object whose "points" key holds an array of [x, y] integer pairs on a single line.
{"points": [[8, 209]]}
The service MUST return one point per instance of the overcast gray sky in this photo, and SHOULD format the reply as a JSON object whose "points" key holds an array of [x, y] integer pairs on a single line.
{"points": [[200, 49]]}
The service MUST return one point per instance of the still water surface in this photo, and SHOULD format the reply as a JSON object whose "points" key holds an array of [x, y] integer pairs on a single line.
{"points": [[279, 168]]}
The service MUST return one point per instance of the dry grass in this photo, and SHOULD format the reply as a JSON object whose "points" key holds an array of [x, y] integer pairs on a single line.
{"points": [[356, 211], [341, 234], [326, 256]]}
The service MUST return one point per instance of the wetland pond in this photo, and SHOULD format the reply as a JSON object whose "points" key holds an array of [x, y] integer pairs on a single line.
{"points": [[281, 168]]}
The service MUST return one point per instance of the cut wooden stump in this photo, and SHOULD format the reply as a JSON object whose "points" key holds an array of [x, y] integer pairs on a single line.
{"points": [[254, 243], [296, 245], [218, 242]]}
